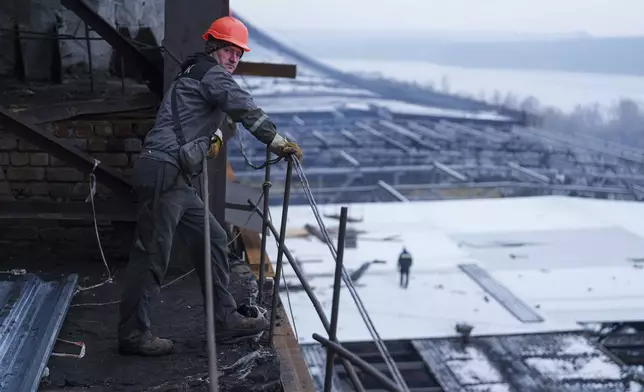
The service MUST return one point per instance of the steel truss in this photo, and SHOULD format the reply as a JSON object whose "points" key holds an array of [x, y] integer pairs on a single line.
{"points": [[373, 159]]}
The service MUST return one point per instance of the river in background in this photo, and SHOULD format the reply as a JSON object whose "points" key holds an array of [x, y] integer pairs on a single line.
{"points": [[563, 90]]}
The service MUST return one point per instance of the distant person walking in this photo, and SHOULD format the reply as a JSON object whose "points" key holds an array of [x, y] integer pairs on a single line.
{"points": [[404, 265]]}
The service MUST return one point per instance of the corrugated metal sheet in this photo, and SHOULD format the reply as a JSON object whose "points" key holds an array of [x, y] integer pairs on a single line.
{"points": [[315, 357], [31, 315]]}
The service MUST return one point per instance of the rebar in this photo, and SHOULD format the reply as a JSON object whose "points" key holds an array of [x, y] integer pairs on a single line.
{"points": [[210, 310], [351, 373], [335, 304], [262, 254], [280, 250]]}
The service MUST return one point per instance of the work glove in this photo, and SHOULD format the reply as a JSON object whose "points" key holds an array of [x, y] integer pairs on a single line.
{"points": [[290, 148], [215, 144]]}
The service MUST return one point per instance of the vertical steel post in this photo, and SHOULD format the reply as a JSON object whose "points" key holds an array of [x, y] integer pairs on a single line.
{"points": [[210, 303], [262, 253], [335, 304], [280, 249]]}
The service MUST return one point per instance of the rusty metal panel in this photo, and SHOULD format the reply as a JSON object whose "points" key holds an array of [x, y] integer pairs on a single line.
{"points": [[31, 315]]}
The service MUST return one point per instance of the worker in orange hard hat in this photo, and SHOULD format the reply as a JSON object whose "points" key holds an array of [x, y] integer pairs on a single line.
{"points": [[200, 98], [231, 35]]}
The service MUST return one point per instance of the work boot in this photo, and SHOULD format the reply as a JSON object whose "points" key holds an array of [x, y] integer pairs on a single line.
{"points": [[244, 323], [150, 347]]}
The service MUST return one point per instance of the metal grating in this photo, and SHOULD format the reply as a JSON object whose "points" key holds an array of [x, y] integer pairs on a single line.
{"points": [[511, 302], [31, 315], [562, 362], [407, 359]]}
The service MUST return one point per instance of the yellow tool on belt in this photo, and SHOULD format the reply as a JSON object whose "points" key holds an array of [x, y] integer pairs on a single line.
{"points": [[215, 143]]}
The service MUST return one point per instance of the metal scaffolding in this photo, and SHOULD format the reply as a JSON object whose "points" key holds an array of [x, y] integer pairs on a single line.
{"points": [[352, 159]]}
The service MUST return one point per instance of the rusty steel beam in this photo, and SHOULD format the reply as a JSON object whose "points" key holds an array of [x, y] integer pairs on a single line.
{"points": [[152, 76], [30, 132], [246, 68]]}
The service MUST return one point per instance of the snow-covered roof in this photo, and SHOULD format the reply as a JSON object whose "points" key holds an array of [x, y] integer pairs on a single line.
{"points": [[569, 260], [334, 99]]}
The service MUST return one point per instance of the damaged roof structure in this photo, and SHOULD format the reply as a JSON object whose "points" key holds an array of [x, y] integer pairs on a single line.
{"points": [[549, 285], [364, 141]]}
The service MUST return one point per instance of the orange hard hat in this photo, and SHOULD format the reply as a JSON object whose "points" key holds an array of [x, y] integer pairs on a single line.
{"points": [[230, 30]]}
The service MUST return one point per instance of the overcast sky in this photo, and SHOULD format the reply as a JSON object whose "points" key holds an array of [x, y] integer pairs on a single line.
{"points": [[597, 17]]}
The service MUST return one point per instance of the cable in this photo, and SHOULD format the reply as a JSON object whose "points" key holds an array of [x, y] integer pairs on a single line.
{"points": [[90, 197], [288, 294], [382, 348], [241, 142], [163, 286]]}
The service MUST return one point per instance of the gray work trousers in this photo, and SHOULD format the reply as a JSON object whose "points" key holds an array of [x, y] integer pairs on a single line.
{"points": [[168, 205]]}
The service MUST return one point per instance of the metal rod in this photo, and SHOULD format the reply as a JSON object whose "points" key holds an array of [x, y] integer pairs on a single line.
{"points": [[280, 250], [210, 310], [335, 304], [298, 272], [351, 372], [89, 57], [354, 359], [262, 254]]}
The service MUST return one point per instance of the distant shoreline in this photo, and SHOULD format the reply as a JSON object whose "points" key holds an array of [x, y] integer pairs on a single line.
{"points": [[613, 55]]}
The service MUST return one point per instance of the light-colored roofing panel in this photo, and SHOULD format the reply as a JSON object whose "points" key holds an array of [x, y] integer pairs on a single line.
{"points": [[582, 265]]}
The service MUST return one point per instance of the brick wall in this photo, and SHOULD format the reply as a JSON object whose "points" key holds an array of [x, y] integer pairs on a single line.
{"points": [[28, 173]]}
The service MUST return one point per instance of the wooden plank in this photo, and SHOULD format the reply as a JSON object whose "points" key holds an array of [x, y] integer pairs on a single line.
{"points": [[247, 68], [294, 370]]}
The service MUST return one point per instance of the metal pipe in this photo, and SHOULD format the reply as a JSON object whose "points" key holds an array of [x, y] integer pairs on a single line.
{"points": [[210, 310], [262, 254], [89, 57], [335, 304], [280, 250], [351, 373], [354, 359]]}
